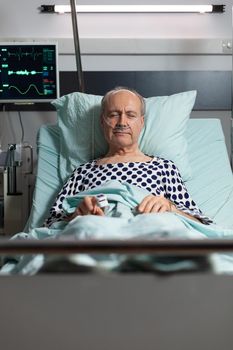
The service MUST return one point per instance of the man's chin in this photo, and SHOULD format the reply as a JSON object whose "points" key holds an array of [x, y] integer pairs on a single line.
{"points": [[121, 141]]}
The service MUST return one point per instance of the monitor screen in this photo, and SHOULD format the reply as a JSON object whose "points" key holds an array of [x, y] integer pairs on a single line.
{"points": [[28, 72]]}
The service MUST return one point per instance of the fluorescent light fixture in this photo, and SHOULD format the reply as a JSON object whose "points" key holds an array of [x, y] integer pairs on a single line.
{"points": [[134, 8]]}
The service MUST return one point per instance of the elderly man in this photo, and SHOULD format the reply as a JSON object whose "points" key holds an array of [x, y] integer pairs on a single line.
{"points": [[122, 119]]}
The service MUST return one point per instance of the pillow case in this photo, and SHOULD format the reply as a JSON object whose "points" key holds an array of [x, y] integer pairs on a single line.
{"points": [[82, 139]]}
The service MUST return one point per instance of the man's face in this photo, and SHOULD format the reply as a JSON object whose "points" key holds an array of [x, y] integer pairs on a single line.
{"points": [[122, 120]]}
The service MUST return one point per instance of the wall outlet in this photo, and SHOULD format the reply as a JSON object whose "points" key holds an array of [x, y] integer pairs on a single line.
{"points": [[227, 46]]}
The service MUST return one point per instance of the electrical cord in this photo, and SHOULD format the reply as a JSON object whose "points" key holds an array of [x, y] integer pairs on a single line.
{"points": [[22, 128], [1, 125]]}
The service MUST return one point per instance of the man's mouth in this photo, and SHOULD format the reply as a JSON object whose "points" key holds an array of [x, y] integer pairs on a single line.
{"points": [[121, 132]]}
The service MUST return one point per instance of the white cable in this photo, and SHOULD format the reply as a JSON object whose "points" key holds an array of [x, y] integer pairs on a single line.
{"points": [[22, 128], [93, 135], [1, 125]]}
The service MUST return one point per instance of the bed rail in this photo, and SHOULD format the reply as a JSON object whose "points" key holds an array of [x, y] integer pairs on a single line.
{"points": [[161, 246]]}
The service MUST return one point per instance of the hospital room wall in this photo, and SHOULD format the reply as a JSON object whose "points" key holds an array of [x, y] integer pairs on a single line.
{"points": [[161, 41]]}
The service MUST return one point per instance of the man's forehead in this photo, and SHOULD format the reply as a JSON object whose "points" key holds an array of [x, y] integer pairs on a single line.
{"points": [[131, 95]]}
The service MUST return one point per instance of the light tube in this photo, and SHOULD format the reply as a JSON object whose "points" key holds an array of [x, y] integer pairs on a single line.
{"points": [[134, 8]]}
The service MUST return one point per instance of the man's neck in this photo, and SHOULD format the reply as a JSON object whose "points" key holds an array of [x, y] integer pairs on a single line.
{"points": [[124, 152]]}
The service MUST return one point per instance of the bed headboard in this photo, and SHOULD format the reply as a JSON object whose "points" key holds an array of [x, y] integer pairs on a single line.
{"points": [[213, 87]]}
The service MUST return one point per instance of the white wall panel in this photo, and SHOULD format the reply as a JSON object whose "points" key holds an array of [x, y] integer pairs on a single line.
{"points": [[148, 62], [143, 54]]}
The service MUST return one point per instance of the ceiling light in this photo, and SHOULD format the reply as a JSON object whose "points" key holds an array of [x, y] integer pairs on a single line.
{"points": [[134, 8]]}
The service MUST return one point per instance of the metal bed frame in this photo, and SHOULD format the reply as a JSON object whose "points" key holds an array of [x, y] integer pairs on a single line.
{"points": [[160, 246]]}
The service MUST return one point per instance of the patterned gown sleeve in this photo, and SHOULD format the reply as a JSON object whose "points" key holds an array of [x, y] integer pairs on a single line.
{"points": [[69, 188], [177, 192]]}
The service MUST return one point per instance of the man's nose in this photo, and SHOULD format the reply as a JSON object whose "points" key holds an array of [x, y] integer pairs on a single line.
{"points": [[122, 120]]}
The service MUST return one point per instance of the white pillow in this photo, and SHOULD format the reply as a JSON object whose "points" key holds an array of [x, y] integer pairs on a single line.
{"points": [[81, 136]]}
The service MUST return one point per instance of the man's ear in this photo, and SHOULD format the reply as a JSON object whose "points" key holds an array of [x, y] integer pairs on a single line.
{"points": [[101, 119], [143, 120]]}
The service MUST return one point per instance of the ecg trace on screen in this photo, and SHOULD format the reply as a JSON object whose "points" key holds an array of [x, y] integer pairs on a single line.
{"points": [[28, 72], [20, 54]]}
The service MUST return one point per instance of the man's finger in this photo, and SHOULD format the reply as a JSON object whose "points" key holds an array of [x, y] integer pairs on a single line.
{"points": [[98, 211], [88, 204], [143, 204], [163, 209], [150, 206]]}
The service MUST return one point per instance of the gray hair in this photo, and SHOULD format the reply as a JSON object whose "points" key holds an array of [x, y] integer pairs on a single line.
{"points": [[119, 88]]}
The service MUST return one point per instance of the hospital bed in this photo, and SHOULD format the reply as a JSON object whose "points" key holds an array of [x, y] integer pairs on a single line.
{"points": [[98, 309]]}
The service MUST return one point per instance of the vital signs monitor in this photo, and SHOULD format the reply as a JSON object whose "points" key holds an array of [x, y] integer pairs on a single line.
{"points": [[28, 72]]}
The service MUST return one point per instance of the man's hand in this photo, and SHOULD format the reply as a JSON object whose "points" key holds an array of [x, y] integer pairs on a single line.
{"points": [[88, 206], [159, 204], [155, 204]]}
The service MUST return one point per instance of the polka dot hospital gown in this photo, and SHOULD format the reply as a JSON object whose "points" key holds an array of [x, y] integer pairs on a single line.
{"points": [[159, 176]]}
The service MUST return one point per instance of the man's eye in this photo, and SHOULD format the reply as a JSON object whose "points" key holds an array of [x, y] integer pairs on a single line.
{"points": [[131, 115], [113, 115]]}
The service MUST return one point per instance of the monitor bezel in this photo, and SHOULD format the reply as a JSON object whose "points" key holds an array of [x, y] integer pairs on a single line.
{"points": [[33, 101]]}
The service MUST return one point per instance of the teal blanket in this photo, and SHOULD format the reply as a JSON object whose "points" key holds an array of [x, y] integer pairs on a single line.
{"points": [[123, 222]]}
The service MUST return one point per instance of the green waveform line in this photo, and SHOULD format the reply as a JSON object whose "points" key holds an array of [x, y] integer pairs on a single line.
{"points": [[25, 92], [23, 72]]}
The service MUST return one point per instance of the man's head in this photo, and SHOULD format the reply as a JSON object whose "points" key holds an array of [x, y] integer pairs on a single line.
{"points": [[122, 89], [122, 116]]}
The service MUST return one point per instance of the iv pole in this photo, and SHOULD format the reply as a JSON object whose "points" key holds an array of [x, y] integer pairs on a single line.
{"points": [[232, 89], [77, 46]]}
